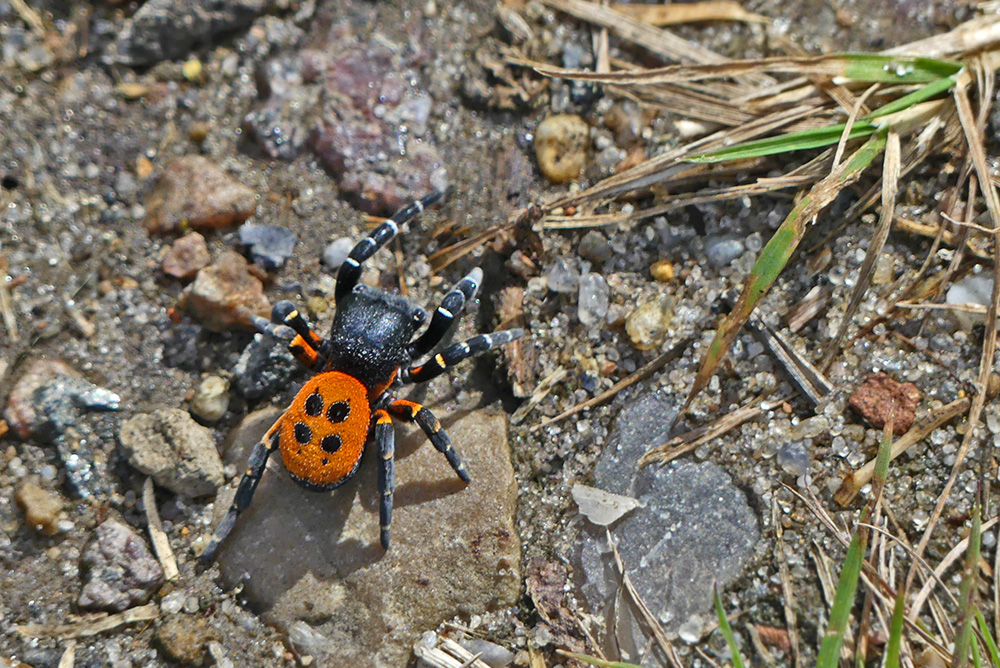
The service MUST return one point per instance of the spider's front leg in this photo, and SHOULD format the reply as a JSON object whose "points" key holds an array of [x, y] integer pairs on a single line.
{"points": [[287, 324], [350, 271], [244, 493], [450, 308], [457, 352]]}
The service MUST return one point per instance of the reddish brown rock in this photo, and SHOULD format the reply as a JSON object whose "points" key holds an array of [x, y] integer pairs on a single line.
{"points": [[187, 256], [194, 192], [20, 412], [225, 295], [880, 398]]}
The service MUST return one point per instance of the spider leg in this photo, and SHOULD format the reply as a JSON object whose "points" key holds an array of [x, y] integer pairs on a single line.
{"points": [[450, 308], [385, 440], [411, 411], [248, 485], [350, 271], [457, 352], [288, 325]]}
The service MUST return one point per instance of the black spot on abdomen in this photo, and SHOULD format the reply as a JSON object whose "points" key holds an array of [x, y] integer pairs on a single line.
{"points": [[314, 404], [330, 443], [338, 412], [303, 434]]}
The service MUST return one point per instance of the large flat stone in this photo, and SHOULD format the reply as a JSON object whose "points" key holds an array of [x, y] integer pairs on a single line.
{"points": [[315, 557]]}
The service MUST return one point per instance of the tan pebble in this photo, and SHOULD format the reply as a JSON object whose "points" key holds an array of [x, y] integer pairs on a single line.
{"points": [[41, 507], [193, 191], [131, 90], [211, 399], [143, 167], [662, 270], [198, 131], [561, 143], [648, 325], [224, 295]]}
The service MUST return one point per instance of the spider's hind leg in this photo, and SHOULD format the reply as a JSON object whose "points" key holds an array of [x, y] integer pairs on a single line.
{"points": [[244, 493], [411, 411], [385, 441]]}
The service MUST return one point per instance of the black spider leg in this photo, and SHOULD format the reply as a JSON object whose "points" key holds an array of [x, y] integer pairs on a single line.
{"points": [[385, 441], [411, 411], [248, 485], [450, 308], [288, 325], [350, 271], [457, 352]]}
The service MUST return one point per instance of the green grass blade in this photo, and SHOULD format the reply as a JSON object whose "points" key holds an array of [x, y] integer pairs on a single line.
{"points": [[820, 137], [727, 631], [776, 253], [967, 593], [594, 661], [796, 141], [843, 600], [916, 97], [991, 643], [892, 648], [887, 69]]}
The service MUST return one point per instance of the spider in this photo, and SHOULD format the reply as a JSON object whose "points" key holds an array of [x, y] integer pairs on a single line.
{"points": [[368, 355]]}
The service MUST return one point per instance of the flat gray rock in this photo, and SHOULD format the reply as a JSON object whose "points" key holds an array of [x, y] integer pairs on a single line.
{"points": [[315, 557], [695, 527]]}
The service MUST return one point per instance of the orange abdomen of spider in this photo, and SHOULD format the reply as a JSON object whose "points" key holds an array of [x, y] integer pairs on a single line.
{"points": [[324, 431]]}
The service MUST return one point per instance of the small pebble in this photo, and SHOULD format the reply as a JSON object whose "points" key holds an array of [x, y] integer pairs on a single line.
{"points": [[337, 251], [41, 507], [662, 271], [225, 294], [563, 276], [172, 603], [592, 304], [881, 397], [211, 399], [118, 569], [561, 143], [595, 247], [194, 192], [794, 458], [647, 326], [721, 251], [270, 245], [187, 256], [184, 639]]}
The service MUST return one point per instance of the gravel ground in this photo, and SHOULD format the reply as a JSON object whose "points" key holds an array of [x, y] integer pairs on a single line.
{"points": [[98, 103]]}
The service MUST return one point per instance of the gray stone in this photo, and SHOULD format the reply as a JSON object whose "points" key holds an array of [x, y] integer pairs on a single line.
{"points": [[695, 528], [592, 304], [118, 569], [265, 367], [563, 275], [178, 452], [270, 245], [337, 251], [595, 247], [166, 29], [721, 251], [315, 558]]}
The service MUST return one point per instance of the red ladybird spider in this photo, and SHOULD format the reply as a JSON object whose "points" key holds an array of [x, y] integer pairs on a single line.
{"points": [[369, 353]]}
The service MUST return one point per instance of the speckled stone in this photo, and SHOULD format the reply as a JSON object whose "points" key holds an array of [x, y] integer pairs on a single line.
{"points": [[178, 452], [118, 569], [193, 192], [315, 557], [694, 527]]}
